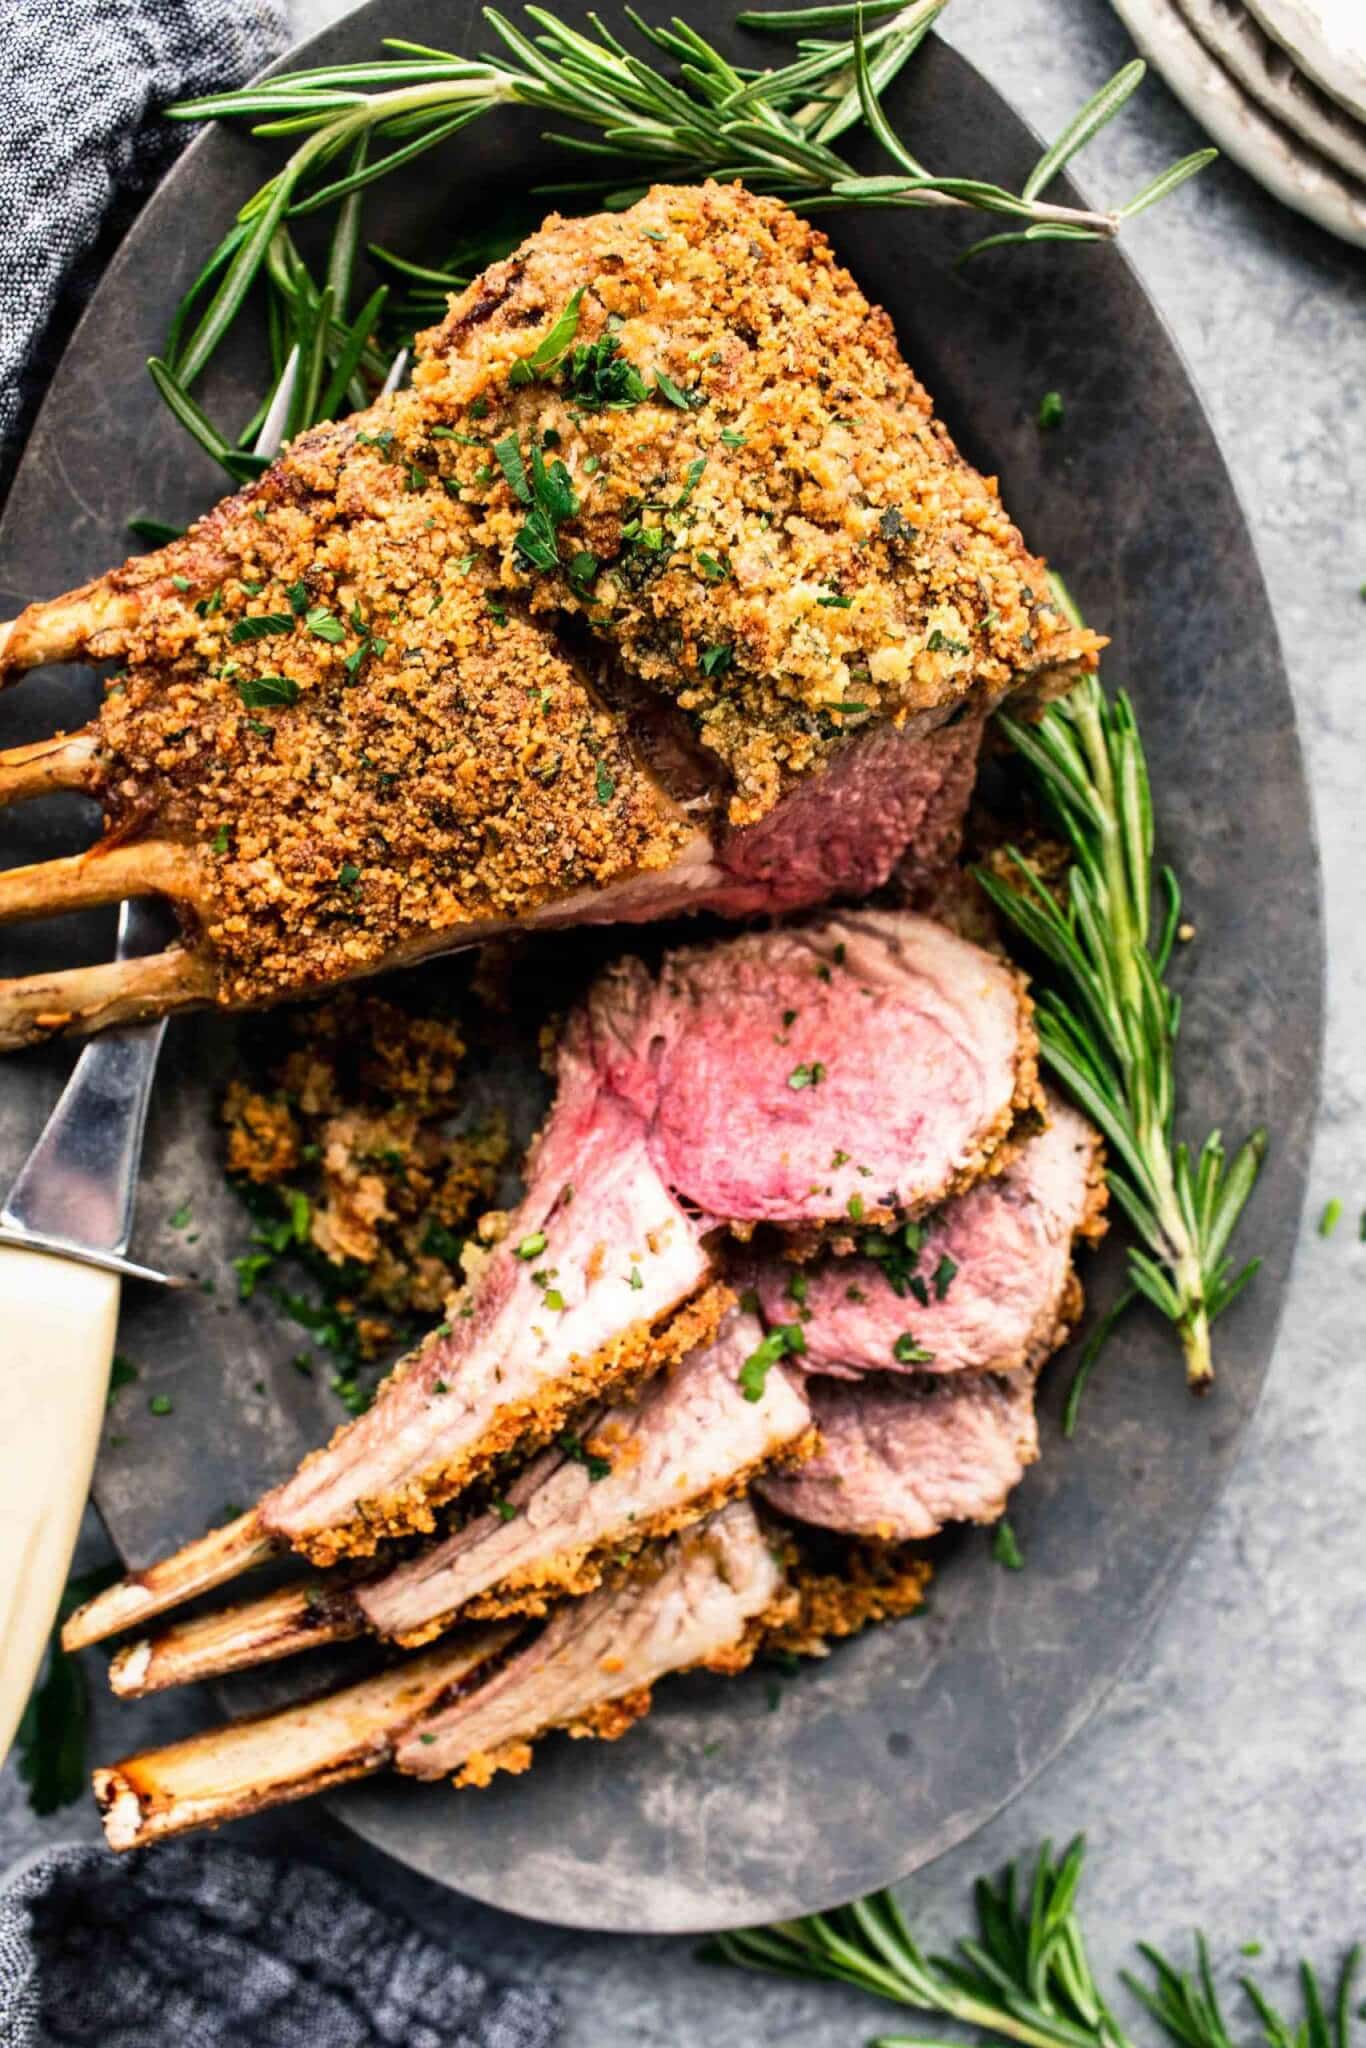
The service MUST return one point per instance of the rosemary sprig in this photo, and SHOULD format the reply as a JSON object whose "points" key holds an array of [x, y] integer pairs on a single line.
{"points": [[1107, 1021], [774, 128], [1024, 1975]]}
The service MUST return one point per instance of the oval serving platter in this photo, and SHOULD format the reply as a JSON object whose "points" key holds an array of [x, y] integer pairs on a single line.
{"points": [[725, 1807]]}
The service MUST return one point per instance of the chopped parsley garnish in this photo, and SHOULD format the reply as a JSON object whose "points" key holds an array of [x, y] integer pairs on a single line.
{"points": [[836, 601], [907, 1352], [259, 693], [807, 1076], [260, 626], [179, 1218], [798, 1288], [940, 643], [553, 347], [715, 661], [855, 1207], [604, 787], [348, 876], [383, 440], [898, 1255], [181, 582], [892, 526], [731, 438], [684, 400], [690, 482], [161, 1404], [712, 570], [510, 462], [1005, 1547], [298, 595], [122, 1373], [942, 1276], [531, 1246], [504, 1510], [219, 842], [440, 1243], [1330, 1218], [1050, 409], [547, 492], [325, 625], [785, 1338], [634, 1279], [600, 378], [596, 1467]]}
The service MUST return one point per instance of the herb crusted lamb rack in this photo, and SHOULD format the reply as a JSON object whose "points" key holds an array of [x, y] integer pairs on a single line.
{"points": [[663, 539]]}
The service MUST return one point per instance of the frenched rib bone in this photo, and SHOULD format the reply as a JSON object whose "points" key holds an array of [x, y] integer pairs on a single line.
{"points": [[700, 1601], [632, 1474]]}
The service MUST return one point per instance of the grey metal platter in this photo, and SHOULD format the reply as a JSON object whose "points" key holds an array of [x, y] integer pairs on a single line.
{"points": [[721, 1808]]}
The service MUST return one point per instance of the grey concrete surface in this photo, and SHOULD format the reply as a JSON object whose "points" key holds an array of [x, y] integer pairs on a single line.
{"points": [[1225, 1781]]}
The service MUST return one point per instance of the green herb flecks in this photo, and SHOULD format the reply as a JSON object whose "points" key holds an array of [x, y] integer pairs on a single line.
{"points": [[1107, 1020], [547, 491], [782, 1340], [1005, 1547], [549, 353], [260, 626], [262, 693], [573, 1447]]}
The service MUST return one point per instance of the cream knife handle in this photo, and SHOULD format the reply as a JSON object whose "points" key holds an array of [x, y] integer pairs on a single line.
{"points": [[57, 1323]]}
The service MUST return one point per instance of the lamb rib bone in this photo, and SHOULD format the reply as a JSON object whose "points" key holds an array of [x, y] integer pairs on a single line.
{"points": [[692, 1441], [702, 1599], [870, 1059], [830, 567]]}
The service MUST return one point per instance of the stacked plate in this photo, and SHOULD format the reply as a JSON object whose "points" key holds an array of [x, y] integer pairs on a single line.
{"points": [[1279, 84]]}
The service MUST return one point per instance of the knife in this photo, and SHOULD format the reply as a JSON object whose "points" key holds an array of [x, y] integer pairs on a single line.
{"points": [[64, 1236]]}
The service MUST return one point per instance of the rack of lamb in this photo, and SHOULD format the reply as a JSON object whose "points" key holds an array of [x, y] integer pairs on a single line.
{"points": [[661, 588]]}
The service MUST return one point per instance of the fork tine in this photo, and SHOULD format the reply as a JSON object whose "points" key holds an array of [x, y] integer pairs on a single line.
{"points": [[146, 867], [39, 1006], [70, 761]]}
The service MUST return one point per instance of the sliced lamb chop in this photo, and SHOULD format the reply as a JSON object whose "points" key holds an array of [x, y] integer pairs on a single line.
{"points": [[633, 1474], [899, 1457], [981, 1286], [592, 1668], [867, 1064], [862, 1066], [702, 1600]]}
